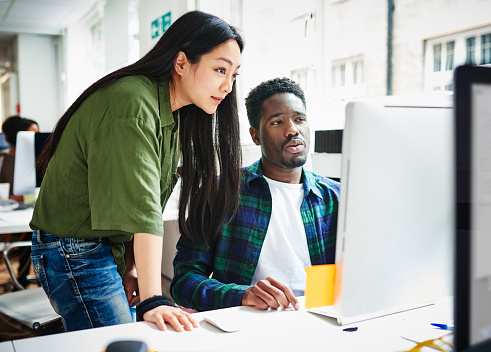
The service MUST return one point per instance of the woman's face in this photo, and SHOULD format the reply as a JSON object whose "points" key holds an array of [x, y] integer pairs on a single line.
{"points": [[208, 82]]}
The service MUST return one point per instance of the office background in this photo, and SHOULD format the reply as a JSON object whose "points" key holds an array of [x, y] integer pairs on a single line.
{"points": [[338, 50]]}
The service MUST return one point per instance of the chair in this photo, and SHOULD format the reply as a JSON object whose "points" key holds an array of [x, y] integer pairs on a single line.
{"points": [[7, 248], [31, 308]]}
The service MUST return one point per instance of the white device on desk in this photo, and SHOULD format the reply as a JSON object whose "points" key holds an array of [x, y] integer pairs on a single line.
{"points": [[395, 229]]}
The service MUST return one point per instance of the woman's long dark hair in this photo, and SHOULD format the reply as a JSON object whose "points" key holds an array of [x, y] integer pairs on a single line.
{"points": [[205, 139]]}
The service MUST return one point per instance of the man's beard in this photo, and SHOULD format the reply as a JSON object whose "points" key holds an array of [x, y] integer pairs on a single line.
{"points": [[295, 162]]}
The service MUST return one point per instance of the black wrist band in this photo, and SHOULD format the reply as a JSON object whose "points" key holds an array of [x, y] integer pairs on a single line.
{"points": [[149, 304]]}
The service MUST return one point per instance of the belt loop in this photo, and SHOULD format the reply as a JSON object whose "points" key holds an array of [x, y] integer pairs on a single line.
{"points": [[38, 235]]}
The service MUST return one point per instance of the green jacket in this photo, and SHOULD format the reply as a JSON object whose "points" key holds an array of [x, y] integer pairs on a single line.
{"points": [[114, 167]]}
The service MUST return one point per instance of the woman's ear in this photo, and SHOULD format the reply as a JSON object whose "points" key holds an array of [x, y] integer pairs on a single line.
{"points": [[255, 135], [180, 62]]}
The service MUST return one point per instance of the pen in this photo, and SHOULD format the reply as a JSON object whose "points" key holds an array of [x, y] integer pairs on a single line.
{"points": [[354, 328], [443, 326]]}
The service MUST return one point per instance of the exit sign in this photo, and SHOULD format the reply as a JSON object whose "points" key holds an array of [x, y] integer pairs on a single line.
{"points": [[160, 25]]}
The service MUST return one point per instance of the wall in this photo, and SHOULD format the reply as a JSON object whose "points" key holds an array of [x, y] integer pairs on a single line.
{"points": [[84, 50], [116, 31], [38, 79], [279, 39], [359, 27], [416, 21], [151, 10]]}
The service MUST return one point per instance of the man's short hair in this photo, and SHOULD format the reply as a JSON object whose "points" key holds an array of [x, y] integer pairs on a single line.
{"points": [[257, 96]]}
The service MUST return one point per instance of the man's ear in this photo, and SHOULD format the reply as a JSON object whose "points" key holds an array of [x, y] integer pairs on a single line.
{"points": [[255, 135], [180, 62]]}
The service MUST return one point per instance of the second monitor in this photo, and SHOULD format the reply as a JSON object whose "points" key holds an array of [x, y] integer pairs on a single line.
{"points": [[395, 230], [27, 177]]}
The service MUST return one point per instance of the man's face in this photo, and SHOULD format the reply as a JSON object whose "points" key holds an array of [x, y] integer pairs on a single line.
{"points": [[284, 132]]}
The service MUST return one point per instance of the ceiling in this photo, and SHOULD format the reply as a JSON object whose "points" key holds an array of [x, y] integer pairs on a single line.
{"points": [[44, 17], [39, 16]]}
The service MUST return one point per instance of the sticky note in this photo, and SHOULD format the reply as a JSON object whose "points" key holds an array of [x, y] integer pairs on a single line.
{"points": [[319, 290], [29, 198]]}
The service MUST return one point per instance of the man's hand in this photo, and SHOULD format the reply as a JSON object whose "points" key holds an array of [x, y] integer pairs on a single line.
{"points": [[270, 293], [130, 284], [176, 317]]}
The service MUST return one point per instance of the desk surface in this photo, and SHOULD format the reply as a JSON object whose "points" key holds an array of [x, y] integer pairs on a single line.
{"points": [[15, 221], [7, 346], [287, 330]]}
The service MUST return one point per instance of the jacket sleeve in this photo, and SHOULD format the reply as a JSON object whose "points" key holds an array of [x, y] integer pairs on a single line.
{"points": [[192, 285]]}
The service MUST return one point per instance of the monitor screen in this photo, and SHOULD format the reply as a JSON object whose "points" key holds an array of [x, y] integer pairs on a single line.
{"points": [[395, 230], [473, 204], [26, 176]]}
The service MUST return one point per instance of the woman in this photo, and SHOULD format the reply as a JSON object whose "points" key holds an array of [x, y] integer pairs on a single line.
{"points": [[111, 166]]}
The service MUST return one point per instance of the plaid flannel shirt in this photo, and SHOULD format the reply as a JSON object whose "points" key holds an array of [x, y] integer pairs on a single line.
{"points": [[218, 277]]}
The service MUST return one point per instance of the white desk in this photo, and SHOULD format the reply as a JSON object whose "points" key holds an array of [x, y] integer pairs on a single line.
{"points": [[7, 346], [261, 331], [16, 221]]}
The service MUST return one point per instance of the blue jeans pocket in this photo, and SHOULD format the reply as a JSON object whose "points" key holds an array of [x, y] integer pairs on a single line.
{"points": [[40, 272], [78, 247], [81, 280]]}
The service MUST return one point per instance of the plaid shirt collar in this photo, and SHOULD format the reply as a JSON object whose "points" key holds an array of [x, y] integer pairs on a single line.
{"points": [[255, 171]]}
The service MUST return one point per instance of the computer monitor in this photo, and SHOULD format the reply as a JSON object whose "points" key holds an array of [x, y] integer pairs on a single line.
{"points": [[26, 176], [394, 246], [472, 87]]}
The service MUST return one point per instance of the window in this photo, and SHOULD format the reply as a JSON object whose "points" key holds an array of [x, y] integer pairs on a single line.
{"points": [[437, 58], [449, 63], [305, 77], [486, 49], [355, 72], [333, 76], [470, 51], [358, 72], [97, 60], [347, 79], [342, 81], [443, 54]]}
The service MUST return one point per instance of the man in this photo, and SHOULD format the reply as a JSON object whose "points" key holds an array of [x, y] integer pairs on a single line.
{"points": [[286, 218]]}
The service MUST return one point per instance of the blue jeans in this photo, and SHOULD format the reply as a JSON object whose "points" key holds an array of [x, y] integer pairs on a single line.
{"points": [[81, 280]]}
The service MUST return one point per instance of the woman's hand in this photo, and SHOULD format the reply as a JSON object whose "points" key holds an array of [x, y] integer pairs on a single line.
{"points": [[148, 262], [176, 317]]}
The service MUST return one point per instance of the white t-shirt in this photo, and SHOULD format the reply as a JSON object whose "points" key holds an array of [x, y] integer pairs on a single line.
{"points": [[285, 253]]}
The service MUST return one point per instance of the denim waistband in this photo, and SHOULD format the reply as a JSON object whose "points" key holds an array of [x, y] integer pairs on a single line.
{"points": [[44, 237]]}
